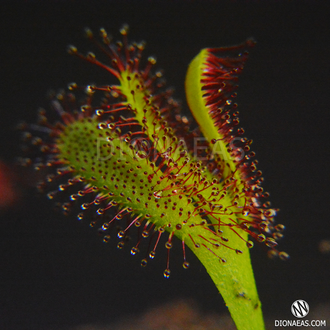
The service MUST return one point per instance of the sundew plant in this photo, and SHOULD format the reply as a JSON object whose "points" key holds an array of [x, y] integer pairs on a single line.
{"points": [[132, 160]]}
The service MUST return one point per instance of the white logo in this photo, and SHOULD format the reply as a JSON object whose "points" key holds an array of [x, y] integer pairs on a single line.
{"points": [[299, 308]]}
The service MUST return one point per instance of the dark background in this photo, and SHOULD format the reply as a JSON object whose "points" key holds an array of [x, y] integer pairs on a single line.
{"points": [[54, 271]]}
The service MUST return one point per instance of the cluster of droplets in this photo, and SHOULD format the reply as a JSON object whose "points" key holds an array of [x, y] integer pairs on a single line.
{"points": [[161, 139]]}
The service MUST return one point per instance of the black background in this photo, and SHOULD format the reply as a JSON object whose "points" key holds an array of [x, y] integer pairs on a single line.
{"points": [[56, 272]]}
